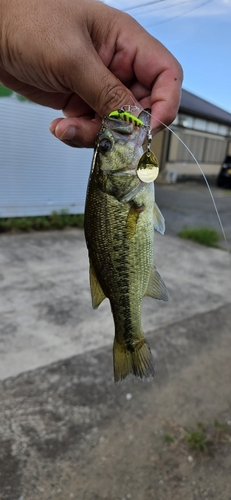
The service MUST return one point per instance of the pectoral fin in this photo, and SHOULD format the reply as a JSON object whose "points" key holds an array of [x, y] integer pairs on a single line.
{"points": [[159, 222], [97, 295], [156, 286], [132, 219]]}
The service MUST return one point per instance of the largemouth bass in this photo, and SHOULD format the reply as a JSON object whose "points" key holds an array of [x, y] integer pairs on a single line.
{"points": [[120, 216]]}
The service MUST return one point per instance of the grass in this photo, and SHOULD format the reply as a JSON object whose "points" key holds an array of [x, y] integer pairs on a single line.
{"points": [[169, 438], [203, 439], [203, 235], [197, 440], [221, 428], [207, 438], [57, 220]]}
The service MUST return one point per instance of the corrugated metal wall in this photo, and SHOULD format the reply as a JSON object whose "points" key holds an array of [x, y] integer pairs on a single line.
{"points": [[38, 174]]}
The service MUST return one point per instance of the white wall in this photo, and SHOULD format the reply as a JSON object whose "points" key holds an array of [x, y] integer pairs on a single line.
{"points": [[38, 174]]}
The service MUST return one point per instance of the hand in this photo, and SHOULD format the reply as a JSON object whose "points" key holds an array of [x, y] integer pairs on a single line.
{"points": [[87, 59]]}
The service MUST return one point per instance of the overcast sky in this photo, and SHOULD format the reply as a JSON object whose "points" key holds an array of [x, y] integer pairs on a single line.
{"points": [[198, 33]]}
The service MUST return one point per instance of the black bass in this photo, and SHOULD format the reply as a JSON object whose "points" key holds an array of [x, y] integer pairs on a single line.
{"points": [[120, 216]]}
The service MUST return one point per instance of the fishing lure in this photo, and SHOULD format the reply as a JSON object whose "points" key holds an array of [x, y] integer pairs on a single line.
{"points": [[148, 167], [127, 117]]}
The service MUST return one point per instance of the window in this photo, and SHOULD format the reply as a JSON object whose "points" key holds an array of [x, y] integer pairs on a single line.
{"points": [[212, 127], [188, 121], [200, 124]]}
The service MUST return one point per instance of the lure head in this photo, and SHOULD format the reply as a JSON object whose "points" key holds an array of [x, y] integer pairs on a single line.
{"points": [[127, 117]]}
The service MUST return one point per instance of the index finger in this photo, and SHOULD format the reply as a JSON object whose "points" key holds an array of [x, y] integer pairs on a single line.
{"points": [[158, 70], [165, 99]]}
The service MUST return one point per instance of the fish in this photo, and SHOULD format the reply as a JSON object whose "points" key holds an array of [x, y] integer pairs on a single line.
{"points": [[119, 221]]}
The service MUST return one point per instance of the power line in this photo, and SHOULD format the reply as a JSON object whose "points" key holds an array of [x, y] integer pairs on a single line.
{"points": [[180, 15], [143, 5], [155, 9], [165, 7]]}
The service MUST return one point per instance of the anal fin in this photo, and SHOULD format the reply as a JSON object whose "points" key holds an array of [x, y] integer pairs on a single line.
{"points": [[156, 286], [159, 222], [97, 294]]}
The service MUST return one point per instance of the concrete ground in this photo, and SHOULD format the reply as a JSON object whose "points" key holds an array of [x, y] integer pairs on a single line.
{"points": [[66, 430]]}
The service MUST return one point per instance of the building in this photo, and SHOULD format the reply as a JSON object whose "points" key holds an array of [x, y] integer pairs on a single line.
{"points": [[40, 175], [206, 131]]}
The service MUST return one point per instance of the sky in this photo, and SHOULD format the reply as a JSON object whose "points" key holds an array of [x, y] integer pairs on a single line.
{"points": [[198, 33]]}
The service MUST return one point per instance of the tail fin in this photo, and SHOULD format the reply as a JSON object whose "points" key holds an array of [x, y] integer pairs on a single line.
{"points": [[139, 361]]}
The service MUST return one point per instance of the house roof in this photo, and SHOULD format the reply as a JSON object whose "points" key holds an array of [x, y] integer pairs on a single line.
{"points": [[196, 106]]}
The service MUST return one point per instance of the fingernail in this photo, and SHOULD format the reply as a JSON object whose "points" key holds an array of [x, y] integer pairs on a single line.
{"points": [[68, 134]]}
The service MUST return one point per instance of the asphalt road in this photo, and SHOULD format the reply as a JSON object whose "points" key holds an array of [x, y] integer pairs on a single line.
{"points": [[66, 431], [190, 204]]}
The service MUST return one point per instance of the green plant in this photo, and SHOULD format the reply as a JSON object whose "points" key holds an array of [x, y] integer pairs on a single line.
{"points": [[202, 439], [57, 220], [222, 428], [201, 426], [4, 92], [203, 235], [168, 438], [197, 441]]}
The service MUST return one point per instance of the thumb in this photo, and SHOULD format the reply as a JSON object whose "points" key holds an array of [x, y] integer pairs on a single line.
{"points": [[96, 85]]}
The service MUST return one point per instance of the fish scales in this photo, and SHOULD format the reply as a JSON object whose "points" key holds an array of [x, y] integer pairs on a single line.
{"points": [[119, 231]]}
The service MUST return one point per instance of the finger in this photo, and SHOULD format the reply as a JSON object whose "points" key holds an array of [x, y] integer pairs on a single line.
{"points": [[105, 92], [76, 132], [55, 100], [159, 72], [140, 91], [163, 111], [165, 99], [77, 107], [100, 88]]}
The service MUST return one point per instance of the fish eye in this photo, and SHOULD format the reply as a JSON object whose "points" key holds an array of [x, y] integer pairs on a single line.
{"points": [[105, 145]]}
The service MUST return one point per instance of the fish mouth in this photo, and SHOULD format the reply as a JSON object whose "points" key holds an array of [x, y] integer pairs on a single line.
{"points": [[118, 126]]}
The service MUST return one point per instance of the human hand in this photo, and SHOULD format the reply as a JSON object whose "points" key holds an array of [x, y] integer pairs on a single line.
{"points": [[87, 59]]}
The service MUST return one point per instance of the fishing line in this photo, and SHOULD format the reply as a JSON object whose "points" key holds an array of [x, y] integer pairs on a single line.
{"points": [[127, 109], [204, 177]]}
